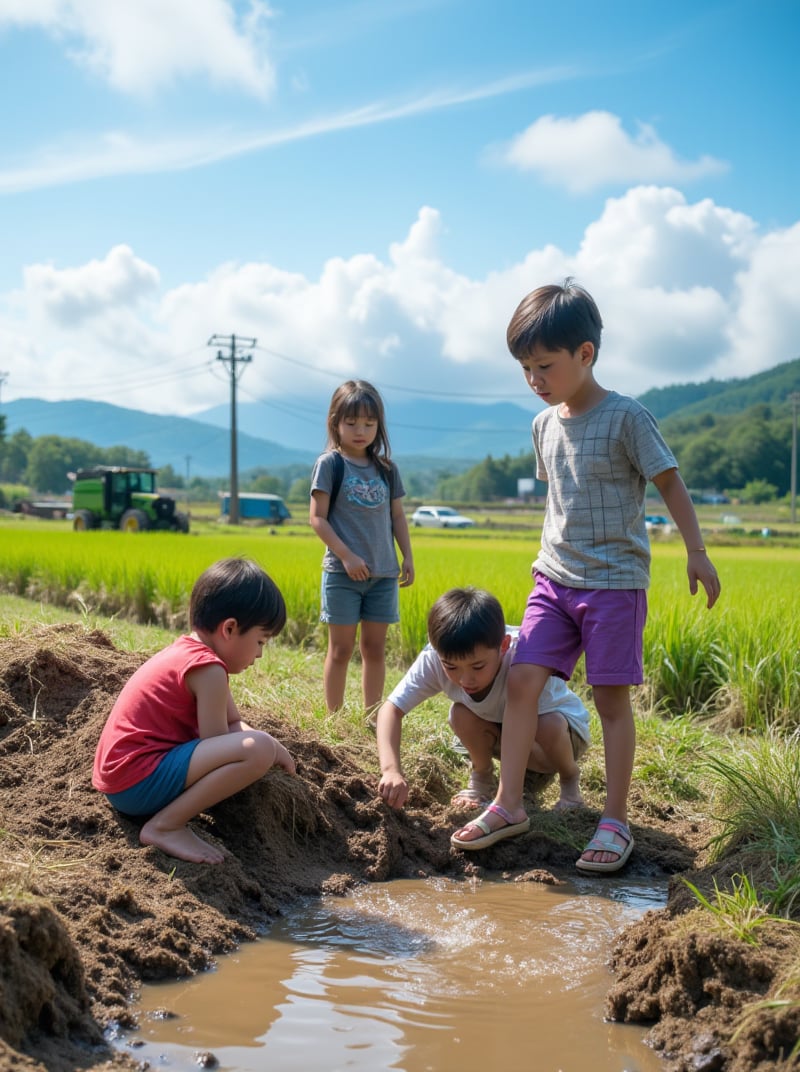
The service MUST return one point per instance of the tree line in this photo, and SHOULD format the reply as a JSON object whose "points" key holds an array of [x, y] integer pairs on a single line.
{"points": [[746, 455]]}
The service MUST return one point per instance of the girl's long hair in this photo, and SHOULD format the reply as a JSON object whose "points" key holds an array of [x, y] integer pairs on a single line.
{"points": [[351, 400]]}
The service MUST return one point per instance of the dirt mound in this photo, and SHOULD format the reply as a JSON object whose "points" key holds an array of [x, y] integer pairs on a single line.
{"points": [[100, 914]]}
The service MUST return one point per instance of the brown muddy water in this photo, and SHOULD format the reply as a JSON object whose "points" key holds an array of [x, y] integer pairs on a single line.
{"points": [[420, 976]]}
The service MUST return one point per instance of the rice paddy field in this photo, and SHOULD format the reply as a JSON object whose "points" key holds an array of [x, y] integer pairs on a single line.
{"points": [[714, 800], [737, 663]]}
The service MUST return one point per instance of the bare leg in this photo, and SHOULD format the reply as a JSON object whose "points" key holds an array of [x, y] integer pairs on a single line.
{"points": [[372, 644], [219, 767], [341, 642], [553, 753], [520, 723], [613, 703], [480, 738]]}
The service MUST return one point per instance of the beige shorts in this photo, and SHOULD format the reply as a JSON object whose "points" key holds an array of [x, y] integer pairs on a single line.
{"points": [[579, 746]]}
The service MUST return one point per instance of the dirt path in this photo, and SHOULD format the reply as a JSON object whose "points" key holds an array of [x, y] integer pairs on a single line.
{"points": [[102, 914]]}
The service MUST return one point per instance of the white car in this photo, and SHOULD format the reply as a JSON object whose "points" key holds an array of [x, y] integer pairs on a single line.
{"points": [[440, 517]]}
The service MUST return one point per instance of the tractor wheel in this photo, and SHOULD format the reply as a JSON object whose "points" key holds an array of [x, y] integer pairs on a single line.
{"points": [[83, 521], [134, 521], [181, 521]]}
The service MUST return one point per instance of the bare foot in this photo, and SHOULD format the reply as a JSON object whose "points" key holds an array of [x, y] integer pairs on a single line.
{"points": [[567, 803], [609, 849], [609, 857], [469, 798], [479, 791], [182, 843]]}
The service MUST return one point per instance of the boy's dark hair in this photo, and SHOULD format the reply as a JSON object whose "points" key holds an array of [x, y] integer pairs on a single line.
{"points": [[461, 619], [236, 588], [555, 317]]}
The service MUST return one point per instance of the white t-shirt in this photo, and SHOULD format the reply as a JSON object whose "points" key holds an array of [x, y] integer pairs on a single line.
{"points": [[426, 678]]}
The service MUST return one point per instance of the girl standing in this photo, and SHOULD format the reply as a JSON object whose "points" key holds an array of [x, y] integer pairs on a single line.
{"points": [[356, 511]]}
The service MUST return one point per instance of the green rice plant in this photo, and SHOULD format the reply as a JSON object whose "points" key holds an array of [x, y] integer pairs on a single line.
{"points": [[739, 911], [687, 668], [737, 662], [666, 755], [757, 801]]}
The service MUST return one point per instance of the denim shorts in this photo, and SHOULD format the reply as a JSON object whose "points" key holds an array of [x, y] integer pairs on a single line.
{"points": [[160, 787], [347, 602], [607, 625]]}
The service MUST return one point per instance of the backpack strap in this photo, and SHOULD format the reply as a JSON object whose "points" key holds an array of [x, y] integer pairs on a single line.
{"points": [[338, 477]]}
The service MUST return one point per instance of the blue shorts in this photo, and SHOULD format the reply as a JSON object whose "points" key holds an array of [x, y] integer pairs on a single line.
{"points": [[160, 787], [606, 624], [347, 602]]}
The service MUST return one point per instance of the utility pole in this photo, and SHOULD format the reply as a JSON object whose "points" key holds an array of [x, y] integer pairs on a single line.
{"points": [[234, 358], [794, 398]]}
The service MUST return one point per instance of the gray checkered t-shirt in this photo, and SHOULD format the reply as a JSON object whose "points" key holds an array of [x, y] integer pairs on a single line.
{"points": [[597, 467]]}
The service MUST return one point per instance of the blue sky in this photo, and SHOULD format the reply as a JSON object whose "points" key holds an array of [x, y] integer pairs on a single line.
{"points": [[368, 188]]}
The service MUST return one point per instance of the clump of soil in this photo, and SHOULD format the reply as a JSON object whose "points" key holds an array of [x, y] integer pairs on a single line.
{"points": [[88, 914]]}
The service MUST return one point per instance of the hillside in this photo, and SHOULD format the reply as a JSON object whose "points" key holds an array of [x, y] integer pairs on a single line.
{"points": [[181, 442], [724, 396], [427, 435], [423, 427]]}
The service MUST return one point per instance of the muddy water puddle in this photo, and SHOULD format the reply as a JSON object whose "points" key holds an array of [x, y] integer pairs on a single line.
{"points": [[420, 976]]}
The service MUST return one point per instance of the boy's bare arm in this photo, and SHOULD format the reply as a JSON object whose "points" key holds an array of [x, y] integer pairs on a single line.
{"points": [[236, 723], [699, 566], [393, 786], [209, 684]]}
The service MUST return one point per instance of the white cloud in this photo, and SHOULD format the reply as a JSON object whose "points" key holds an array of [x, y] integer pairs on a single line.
{"points": [[71, 296], [766, 328], [142, 46], [686, 290], [121, 153], [593, 150]]}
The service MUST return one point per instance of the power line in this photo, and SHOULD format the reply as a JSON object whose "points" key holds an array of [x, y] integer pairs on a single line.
{"points": [[383, 386], [233, 359]]}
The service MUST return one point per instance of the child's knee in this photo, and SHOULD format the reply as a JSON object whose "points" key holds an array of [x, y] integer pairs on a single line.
{"points": [[260, 751], [340, 653]]}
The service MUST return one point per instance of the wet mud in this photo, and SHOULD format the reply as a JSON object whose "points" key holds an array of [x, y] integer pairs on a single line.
{"points": [[87, 915]]}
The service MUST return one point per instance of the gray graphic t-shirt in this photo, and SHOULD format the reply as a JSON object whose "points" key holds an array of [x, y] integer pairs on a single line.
{"points": [[361, 515]]}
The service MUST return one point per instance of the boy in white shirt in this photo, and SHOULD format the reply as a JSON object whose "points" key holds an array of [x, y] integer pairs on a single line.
{"points": [[467, 658]]}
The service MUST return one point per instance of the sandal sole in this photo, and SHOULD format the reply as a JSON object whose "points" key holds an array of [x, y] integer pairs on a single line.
{"points": [[611, 865], [509, 831]]}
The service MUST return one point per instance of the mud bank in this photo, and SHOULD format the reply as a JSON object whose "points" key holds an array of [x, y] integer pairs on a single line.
{"points": [[87, 914]]}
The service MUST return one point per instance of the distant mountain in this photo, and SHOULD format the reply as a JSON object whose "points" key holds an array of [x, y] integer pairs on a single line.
{"points": [[183, 443], [724, 396], [450, 431], [426, 435]]}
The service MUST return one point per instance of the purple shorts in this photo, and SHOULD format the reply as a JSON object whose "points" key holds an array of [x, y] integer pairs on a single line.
{"points": [[604, 623]]}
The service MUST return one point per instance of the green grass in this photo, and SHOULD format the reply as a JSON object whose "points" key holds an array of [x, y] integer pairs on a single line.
{"points": [[736, 664], [739, 911], [756, 800]]}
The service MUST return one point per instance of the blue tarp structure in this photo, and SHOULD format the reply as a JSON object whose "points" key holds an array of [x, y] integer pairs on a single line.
{"points": [[255, 506]]}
